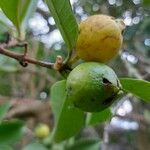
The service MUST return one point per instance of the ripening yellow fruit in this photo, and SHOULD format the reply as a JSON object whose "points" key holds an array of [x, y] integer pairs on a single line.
{"points": [[100, 38]]}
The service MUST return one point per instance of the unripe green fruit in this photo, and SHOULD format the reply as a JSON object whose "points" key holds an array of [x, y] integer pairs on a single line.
{"points": [[42, 131], [92, 86]]}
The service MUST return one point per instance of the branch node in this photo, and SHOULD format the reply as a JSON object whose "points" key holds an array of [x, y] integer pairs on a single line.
{"points": [[59, 63], [24, 59], [23, 63]]}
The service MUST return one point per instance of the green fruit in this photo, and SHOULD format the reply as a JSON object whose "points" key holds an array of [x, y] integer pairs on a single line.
{"points": [[92, 86]]}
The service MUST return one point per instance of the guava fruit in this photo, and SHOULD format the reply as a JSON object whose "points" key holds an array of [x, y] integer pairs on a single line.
{"points": [[100, 38], [92, 86]]}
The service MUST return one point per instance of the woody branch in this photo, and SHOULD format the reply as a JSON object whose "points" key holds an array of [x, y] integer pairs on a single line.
{"points": [[24, 59]]}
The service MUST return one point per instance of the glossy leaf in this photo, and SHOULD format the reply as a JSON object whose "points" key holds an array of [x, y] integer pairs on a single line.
{"points": [[27, 8], [68, 121], [140, 88], [10, 8], [18, 10], [5, 23], [3, 110], [65, 20], [99, 117], [58, 95], [10, 132], [85, 144]]}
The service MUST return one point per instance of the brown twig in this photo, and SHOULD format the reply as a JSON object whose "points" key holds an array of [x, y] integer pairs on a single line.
{"points": [[24, 59]]}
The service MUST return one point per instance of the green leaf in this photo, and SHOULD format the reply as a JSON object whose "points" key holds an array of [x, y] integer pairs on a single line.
{"points": [[65, 20], [5, 23], [18, 10], [140, 88], [58, 95], [3, 110], [27, 7], [85, 144], [10, 8], [68, 121], [35, 146], [98, 117], [10, 132]]}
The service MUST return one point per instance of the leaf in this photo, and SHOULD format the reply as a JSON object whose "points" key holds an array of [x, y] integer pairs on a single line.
{"points": [[140, 88], [18, 10], [68, 121], [5, 23], [98, 117], [58, 95], [85, 144], [35, 146], [65, 20], [3, 110], [10, 8], [10, 132], [28, 8]]}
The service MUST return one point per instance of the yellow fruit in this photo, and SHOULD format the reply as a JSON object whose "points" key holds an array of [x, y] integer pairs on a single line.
{"points": [[100, 38], [42, 131], [92, 86]]}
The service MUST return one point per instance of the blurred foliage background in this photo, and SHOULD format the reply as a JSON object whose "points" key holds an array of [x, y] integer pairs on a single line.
{"points": [[129, 128]]}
